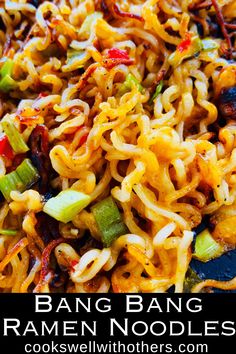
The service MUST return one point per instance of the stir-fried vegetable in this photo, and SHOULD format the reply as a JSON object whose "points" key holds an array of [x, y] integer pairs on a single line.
{"points": [[109, 220], [5, 148], [75, 59], [128, 84], [17, 142], [66, 205], [7, 83], [8, 232], [19, 180], [115, 57], [209, 44], [115, 53], [191, 279], [157, 92], [206, 248], [27, 173], [186, 49]]}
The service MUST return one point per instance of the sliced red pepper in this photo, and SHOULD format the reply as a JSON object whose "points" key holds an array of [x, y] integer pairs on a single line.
{"points": [[41, 95], [184, 45], [5, 148], [116, 57], [115, 53], [73, 264]]}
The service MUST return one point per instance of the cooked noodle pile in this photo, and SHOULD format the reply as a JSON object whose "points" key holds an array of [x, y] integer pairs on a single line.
{"points": [[161, 143]]}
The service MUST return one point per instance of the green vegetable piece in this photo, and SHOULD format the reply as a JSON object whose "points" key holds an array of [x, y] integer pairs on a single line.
{"points": [[191, 279], [157, 92], [8, 232], [86, 27], [6, 82], [73, 57], [128, 84], [206, 248], [72, 53], [113, 232], [27, 173], [176, 58], [209, 44], [10, 182], [109, 221], [19, 180], [66, 205], [16, 141], [7, 68]]}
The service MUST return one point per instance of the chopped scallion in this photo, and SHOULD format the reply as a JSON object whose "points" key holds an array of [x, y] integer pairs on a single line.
{"points": [[109, 221], [209, 44], [7, 83], [7, 68], [8, 232], [19, 180], [10, 182], [128, 84], [206, 248], [66, 205], [16, 141], [157, 92], [193, 48], [191, 279], [27, 173]]}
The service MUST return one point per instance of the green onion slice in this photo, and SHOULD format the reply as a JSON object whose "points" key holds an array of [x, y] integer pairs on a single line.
{"points": [[206, 248], [19, 180], [193, 49], [209, 44], [157, 92], [27, 173], [14, 137], [66, 205], [109, 221], [8, 232], [128, 84], [10, 182], [7, 83]]}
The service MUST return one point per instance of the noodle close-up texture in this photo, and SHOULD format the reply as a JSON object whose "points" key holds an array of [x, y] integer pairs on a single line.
{"points": [[117, 144]]}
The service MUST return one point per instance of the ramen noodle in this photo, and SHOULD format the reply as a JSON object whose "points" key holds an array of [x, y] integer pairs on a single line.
{"points": [[118, 141]]}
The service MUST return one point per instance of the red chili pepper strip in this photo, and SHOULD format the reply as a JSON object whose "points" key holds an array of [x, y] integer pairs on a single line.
{"points": [[5, 148], [73, 264], [41, 95], [184, 45], [115, 53]]}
